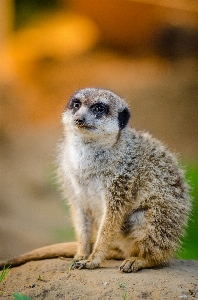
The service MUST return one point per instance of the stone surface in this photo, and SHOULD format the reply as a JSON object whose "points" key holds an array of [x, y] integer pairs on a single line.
{"points": [[51, 279]]}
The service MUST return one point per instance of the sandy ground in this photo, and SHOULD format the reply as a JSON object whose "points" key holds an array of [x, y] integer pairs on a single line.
{"points": [[51, 279]]}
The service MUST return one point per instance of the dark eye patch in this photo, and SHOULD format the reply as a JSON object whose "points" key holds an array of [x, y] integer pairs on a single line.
{"points": [[74, 104], [99, 109]]}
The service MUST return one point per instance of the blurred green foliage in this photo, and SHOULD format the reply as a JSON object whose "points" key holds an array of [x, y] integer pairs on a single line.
{"points": [[190, 241], [26, 11], [19, 296], [65, 235]]}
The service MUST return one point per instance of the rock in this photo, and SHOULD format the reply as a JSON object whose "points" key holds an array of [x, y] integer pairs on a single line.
{"points": [[51, 279]]}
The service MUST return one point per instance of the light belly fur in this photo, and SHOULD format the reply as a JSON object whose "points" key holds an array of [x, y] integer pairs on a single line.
{"points": [[87, 190], [90, 198]]}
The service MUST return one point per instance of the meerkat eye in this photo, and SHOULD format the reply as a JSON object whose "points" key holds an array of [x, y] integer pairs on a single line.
{"points": [[99, 109], [76, 104]]}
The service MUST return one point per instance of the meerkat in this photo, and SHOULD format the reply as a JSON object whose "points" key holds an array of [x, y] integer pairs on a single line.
{"points": [[119, 181]]}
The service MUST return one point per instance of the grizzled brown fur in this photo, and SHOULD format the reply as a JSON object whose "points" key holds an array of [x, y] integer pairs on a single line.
{"points": [[136, 181]]}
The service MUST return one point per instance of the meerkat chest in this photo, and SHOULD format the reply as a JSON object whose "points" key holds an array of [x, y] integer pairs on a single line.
{"points": [[86, 181], [82, 164]]}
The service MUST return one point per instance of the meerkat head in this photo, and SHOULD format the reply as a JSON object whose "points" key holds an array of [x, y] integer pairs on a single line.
{"points": [[96, 114]]}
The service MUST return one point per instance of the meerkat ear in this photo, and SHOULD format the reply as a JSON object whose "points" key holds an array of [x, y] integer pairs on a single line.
{"points": [[123, 118]]}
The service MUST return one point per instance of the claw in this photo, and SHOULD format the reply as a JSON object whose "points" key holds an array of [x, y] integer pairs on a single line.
{"points": [[78, 265], [72, 266], [82, 266]]}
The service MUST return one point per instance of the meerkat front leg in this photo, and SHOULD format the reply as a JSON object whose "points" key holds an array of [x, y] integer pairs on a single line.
{"points": [[105, 237], [83, 230]]}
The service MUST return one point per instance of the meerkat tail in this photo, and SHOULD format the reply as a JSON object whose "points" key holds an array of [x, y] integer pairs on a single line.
{"points": [[57, 250]]}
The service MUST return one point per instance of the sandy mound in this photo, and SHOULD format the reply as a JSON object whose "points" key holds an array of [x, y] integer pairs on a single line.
{"points": [[51, 279]]}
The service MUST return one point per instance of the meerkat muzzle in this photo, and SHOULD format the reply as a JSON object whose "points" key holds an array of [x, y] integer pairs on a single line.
{"points": [[79, 121]]}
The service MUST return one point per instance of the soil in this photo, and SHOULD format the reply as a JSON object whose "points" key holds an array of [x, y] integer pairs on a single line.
{"points": [[51, 279]]}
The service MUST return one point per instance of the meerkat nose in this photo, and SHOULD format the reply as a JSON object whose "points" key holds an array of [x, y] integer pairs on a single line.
{"points": [[79, 121]]}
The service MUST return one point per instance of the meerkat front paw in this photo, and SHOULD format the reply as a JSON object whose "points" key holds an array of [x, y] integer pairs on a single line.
{"points": [[133, 264], [84, 264], [79, 257]]}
